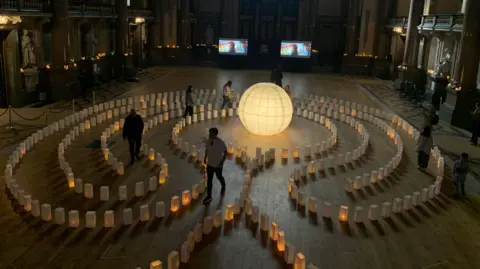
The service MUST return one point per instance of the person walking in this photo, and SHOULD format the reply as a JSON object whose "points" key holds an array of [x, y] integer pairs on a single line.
{"points": [[460, 171], [276, 76], [132, 131], [475, 125], [215, 155], [188, 103], [424, 146], [227, 94]]}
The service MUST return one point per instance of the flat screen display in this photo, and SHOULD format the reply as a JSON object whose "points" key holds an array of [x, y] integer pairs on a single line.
{"points": [[296, 49], [233, 46]]}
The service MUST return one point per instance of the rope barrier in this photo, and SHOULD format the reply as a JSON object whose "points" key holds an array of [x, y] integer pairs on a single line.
{"points": [[29, 119], [4, 112]]}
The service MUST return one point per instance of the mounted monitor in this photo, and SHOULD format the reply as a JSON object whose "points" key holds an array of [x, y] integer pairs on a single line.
{"points": [[229, 46], [296, 49]]}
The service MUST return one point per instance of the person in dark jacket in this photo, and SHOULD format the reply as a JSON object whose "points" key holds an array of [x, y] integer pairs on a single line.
{"points": [[460, 171], [439, 95], [188, 103], [132, 131]]}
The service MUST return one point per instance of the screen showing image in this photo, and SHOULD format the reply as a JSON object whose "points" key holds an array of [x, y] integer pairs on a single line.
{"points": [[233, 46], [296, 49]]}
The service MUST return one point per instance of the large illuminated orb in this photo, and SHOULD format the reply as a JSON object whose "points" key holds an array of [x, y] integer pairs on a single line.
{"points": [[265, 109]]}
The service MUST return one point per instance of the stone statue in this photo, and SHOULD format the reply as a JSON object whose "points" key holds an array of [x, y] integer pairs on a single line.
{"points": [[28, 50], [90, 43], [443, 68], [209, 35]]}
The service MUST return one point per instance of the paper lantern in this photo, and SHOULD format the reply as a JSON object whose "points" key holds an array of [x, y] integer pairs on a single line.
{"points": [[28, 203], [35, 208], [122, 193], [407, 202], [88, 190], [161, 177], [139, 189], [175, 204], [284, 154], [301, 198], [300, 261], [386, 209], [343, 213], [152, 183], [108, 219], [265, 109], [173, 260], [59, 215], [289, 254], [264, 222], [90, 219], [144, 213], [151, 155], [127, 216], [207, 224], [397, 205], [104, 193], [185, 252], [274, 229], [217, 219], [159, 209], [281, 241], [71, 180], [73, 218], [120, 169], [229, 212], [296, 153], [373, 212], [198, 232], [186, 198], [156, 265], [358, 214]]}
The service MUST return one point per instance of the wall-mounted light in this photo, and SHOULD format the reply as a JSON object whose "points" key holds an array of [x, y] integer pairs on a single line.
{"points": [[139, 20], [47, 66], [65, 67], [21, 70], [83, 58]]}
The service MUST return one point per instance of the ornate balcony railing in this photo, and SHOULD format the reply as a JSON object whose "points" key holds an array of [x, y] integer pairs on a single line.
{"points": [[88, 9], [398, 22], [140, 12], [442, 22], [25, 5]]}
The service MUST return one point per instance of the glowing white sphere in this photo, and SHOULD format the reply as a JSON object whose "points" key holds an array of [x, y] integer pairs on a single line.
{"points": [[265, 109]]}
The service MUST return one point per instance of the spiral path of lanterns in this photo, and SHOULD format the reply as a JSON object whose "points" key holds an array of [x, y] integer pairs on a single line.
{"points": [[163, 108]]}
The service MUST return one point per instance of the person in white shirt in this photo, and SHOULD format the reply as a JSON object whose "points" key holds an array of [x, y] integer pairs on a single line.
{"points": [[227, 94], [215, 155]]}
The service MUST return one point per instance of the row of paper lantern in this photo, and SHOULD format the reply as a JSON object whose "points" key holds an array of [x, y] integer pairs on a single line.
{"points": [[273, 230], [374, 211]]}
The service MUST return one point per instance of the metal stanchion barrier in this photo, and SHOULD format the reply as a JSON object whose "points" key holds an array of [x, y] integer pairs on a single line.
{"points": [[10, 124]]}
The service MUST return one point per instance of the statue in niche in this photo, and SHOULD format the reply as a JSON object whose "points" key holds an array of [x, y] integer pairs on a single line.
{"points": [[28, 50], [90, 43], [209, 36], [443, 68]]}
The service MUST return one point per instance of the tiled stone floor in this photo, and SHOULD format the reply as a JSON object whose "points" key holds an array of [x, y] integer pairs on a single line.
{"points": [[440, 234]]}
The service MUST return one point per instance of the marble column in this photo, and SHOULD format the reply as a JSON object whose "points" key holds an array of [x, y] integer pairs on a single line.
{"points": [[224, 21], [185, 23], [278, 22], [257, 20], [155, 29], [57, 77], [412, 39], [60, 23], [467, 66], [312, 19], [351, 41], [121, 30]]}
